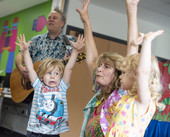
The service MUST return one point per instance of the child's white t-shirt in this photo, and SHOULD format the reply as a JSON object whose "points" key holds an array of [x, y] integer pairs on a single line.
{"points": [[49, 113]]}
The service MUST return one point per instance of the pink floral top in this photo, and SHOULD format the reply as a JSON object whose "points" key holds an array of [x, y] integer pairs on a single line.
{"points": [[108, 108]]}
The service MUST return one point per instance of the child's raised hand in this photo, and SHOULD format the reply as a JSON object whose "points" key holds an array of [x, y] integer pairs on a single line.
{"points": [[152, 35], [79, 44], [146, 37], [139, 40], [22, 43]]}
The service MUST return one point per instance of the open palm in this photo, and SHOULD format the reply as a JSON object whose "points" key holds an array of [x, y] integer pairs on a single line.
{"points": [[22, 43]]}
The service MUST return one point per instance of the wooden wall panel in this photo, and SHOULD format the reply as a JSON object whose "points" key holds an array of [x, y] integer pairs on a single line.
{"points": [[118, 48]]}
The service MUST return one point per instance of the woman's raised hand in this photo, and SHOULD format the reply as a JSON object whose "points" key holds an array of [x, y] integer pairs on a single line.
{"points": [[84, 10]]}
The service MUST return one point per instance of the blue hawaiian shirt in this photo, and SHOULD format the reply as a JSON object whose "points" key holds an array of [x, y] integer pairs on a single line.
{"points": [[42, 46]]}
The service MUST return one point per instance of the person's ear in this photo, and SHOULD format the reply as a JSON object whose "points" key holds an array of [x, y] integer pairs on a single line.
{"points": [[62, 24]]}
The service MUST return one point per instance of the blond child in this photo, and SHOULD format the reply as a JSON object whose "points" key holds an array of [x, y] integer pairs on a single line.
{"points": [[49, 114], [141, 78]]}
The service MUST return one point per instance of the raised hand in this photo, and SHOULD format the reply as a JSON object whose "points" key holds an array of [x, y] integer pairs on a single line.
{"points": [[146, 37], [79, 44], [22, 43], [139, 40], [144, 70], [152, 35], [84, 10], [132, 2], [24, 47]]}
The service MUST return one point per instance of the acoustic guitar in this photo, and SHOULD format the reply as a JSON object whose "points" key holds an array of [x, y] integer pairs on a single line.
{"points": [[20, 86]]}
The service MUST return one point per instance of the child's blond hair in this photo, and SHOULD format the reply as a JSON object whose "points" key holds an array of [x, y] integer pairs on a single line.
{"points": [[130, 63], [49, 64]]}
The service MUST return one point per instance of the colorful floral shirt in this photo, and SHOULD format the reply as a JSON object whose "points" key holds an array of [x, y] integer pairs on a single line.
{"points": [[109, 107], [93, 128], [126, 122], [90, 107]]}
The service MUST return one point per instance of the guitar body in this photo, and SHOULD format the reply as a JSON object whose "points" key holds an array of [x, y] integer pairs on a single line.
{"points": [[20, 87]]}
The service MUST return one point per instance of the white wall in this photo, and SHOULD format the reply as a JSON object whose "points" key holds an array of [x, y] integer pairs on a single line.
{"points": [[114, 24]]}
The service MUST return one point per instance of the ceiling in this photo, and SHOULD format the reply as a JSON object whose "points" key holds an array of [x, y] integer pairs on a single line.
{"points": [[8, 7], [157, 11]]}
